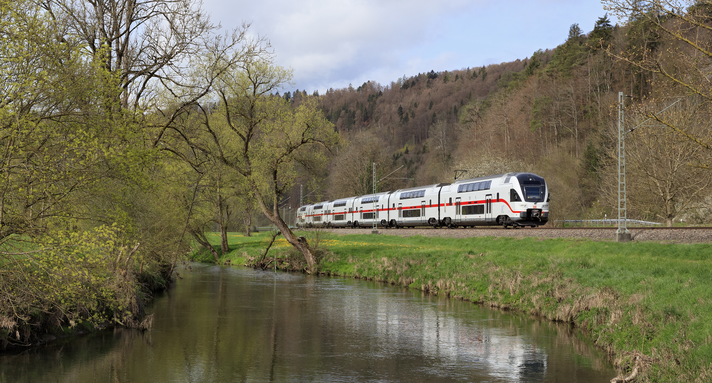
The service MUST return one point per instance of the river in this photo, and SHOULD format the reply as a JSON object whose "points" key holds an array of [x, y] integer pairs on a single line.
{"points": [[222, 324]]}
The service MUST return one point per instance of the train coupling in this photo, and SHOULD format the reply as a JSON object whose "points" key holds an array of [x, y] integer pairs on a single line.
{"points": [[535, 214]]}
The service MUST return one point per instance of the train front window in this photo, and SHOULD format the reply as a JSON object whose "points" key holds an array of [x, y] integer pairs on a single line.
{"points": [[533, 187], [533, 193]]}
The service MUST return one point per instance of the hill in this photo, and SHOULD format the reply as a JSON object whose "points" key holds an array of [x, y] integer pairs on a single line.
{"points": [[554, 113]]}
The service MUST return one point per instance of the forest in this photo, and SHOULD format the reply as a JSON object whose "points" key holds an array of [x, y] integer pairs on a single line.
{"points": [[554, 113], [131, 129]]}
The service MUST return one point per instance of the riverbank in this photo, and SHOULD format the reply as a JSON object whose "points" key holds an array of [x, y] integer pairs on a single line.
{"points": [[648, 304], [74, 285]]}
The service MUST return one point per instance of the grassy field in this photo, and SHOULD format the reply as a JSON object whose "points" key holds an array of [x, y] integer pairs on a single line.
{"points": [[648, 304]]}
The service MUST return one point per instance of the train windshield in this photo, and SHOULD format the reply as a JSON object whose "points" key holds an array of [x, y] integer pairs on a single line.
{"points": [[533, 187]]}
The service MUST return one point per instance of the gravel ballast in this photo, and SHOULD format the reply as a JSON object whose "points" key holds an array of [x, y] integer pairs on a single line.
{"points": [[668, 235]]}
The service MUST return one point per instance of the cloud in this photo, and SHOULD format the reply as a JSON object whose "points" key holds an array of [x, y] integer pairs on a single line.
{"points": [[330, 43]]}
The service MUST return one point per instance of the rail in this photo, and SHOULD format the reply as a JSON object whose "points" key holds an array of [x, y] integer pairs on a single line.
{"points": [[601, 223]]}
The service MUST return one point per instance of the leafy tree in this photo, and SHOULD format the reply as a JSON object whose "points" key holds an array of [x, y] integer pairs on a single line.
{"points": [[78, 211], [263, 138]]}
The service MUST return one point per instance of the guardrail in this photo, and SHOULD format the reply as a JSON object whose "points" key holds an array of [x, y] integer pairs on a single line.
{"points": [[601, 223]]}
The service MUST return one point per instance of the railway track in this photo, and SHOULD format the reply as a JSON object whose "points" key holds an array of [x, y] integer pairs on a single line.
{"points": [[652, 234]]}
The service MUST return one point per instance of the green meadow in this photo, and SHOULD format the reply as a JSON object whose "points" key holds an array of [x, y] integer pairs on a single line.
{"points": [[648, 304]]}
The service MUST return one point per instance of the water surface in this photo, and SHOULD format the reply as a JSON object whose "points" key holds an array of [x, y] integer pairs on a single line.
{"points": [[219, 324]]}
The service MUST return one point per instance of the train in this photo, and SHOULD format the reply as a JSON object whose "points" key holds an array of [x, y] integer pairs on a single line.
{"points": [[509, 200]]}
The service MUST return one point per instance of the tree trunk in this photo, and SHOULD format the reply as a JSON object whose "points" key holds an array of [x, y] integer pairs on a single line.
{"points": [[223, 239], [299, 243], [223, 217], [203, 241], [248, 224]]}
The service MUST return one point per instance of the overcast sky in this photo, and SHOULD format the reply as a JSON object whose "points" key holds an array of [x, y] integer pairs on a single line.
{"points": [[334, 43]]}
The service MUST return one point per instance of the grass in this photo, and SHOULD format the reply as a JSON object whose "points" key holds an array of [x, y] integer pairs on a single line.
{"points": [[648, 302]]}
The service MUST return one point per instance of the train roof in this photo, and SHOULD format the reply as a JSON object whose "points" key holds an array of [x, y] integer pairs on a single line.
{"points": [[369, 195], [505, 176], [418, 188]]}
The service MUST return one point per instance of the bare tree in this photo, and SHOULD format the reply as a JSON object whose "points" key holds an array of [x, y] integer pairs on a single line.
{"points": [[664, 170], [682, 58], [352, 171], [145, 42]]}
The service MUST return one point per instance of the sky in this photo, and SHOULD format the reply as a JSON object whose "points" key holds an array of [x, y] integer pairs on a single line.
{"points": [[335, 43]]}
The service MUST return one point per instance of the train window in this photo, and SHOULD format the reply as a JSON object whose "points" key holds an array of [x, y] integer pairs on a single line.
{"points": [[475, 186], [413, 194], [339, 217], [514, 196], [473, 209], [369, 199], [548, 197], [340, 204], [318, 207], [411, 213]]}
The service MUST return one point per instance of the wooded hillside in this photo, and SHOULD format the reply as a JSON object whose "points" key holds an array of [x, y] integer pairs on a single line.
{"points": [[554, 113]]}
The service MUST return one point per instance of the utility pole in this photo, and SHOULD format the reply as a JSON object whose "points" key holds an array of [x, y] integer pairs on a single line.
{"points": [[622, 234], [374, 230]]}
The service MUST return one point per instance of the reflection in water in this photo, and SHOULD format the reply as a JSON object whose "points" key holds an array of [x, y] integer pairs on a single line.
{"points": [[225, 325]]}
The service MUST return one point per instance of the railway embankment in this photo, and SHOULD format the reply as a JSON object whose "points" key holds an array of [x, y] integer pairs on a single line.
{"points": [[639, 234], [647, 303]]}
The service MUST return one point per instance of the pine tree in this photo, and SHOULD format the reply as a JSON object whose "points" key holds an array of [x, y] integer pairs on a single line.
{"points": [[602, 33]]}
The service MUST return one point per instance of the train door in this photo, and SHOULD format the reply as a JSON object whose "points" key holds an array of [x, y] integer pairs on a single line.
{"points": [[458, 209], [488, 208], [400, 211], [422, 212]]}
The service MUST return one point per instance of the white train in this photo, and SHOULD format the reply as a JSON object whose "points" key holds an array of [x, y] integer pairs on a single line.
{"points": [[512, 199]]}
